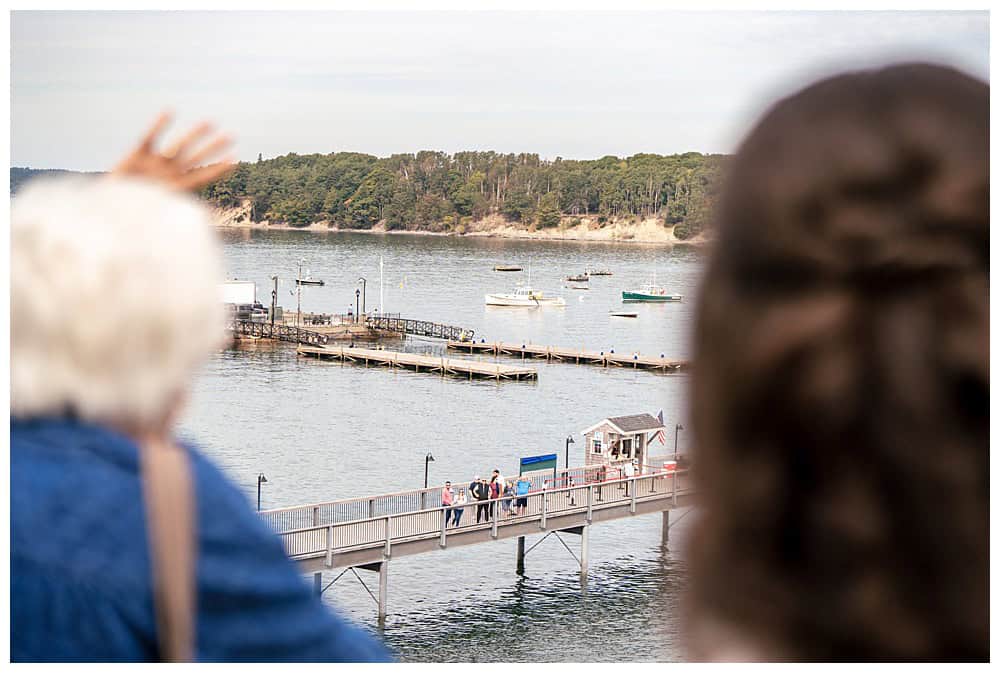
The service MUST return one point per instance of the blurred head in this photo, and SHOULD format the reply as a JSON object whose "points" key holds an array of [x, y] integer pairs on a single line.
{"points": [[114, 299], [839, 393]]}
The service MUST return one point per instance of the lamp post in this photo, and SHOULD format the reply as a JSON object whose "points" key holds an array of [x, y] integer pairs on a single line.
{"points": [[357, 304], [364, 294], [274, 302], [569, 440], [261, 479], [677, 429], [428, 459]]}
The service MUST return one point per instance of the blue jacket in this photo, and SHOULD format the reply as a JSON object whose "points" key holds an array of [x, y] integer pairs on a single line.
{"points": [[80, 567]]}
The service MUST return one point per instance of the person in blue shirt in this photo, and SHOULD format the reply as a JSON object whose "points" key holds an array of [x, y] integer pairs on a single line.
{"points": [[521, 488], [114, 305]]}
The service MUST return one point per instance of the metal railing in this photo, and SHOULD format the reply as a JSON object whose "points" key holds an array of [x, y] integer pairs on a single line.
{"points": [[402, 502], [383, 530], [394, 323], [280, 332]]}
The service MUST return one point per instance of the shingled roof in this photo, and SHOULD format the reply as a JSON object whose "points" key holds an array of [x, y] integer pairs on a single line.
{"points": [[630, 424]]}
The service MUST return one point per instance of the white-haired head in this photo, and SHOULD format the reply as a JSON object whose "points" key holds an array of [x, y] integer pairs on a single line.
{"points": [[114, 299]]}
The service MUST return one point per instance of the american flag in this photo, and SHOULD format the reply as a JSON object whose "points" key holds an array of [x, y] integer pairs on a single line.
{"points": [[659, 433]]}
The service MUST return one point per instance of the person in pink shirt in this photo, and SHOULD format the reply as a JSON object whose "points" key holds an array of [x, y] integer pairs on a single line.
{"points": [[447, 498]]}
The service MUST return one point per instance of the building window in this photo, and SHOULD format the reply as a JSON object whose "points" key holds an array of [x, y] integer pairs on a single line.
{"points": [[627, 448], [596, 445]]}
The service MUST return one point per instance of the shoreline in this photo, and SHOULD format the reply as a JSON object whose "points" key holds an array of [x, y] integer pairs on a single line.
{"points": [[647, 232]]}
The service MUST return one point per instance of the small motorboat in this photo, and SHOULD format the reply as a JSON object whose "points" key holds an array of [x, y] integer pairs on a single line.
{"points": [[504, 267], [600, 272], [582, 278], [524, 296], [309, 281], [578, 287], [623, 314]]}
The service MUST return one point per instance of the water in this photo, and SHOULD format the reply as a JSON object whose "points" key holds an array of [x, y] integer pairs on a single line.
{"points": [[325, 430]]}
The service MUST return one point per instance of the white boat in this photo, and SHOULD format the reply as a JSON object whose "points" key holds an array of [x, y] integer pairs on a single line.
{"points": [[523, 296]]}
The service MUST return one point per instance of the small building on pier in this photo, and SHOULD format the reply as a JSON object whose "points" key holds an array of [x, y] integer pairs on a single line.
{"points": [[618, 440]]}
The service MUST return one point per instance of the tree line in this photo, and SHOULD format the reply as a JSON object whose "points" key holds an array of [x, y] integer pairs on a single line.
{"points": [[436, 191]]}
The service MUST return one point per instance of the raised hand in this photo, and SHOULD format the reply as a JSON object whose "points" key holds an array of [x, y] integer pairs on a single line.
{"points": [[180, 166]]}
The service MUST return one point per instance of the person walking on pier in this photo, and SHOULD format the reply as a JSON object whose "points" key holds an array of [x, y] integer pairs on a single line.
{"points": [[447, 496], [522, 488], [508, 492], [460, 500], [496, 488], [480, 490]]}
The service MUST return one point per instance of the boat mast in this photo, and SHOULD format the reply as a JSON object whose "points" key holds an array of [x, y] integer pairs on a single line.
{"points": [[380, 309]]}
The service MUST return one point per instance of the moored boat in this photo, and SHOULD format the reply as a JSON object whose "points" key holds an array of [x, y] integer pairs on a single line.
{"points": [[599, 272], [624, 314], [582, 278], [506, 267], [650, 292], [309, 281], [525, 297]]}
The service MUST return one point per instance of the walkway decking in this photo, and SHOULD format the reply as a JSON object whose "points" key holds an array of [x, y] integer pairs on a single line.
{"points": [[414, 362], [577, 356]]}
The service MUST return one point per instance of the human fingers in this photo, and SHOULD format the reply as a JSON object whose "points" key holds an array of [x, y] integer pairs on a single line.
{"points": [[179, 148], [212, 149], [199, 177], [154, 131]]}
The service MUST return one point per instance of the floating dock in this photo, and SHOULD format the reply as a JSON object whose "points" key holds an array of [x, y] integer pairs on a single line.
{"points": [[574, 355], [421, 363]]}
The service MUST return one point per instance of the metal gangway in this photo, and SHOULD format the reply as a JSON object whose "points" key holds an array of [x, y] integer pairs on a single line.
{"points": [[395, 323], [265, 330], [367, 532]]}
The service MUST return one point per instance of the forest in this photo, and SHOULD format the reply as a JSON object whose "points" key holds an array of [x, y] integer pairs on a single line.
{"points": [[435, 191], [441, 192]]}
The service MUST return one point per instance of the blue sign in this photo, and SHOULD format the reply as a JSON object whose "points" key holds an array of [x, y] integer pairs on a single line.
{"points": [[537, 463]]}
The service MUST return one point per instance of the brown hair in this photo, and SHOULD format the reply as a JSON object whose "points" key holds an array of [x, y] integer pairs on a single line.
{"points": [[840, 390]]}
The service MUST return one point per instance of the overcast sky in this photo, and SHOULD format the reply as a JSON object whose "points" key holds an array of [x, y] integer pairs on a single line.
{"points": [[576, 85]]}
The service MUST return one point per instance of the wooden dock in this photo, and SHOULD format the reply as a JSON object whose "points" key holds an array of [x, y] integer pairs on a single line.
{"points": [[421, 363], [578, 356]]}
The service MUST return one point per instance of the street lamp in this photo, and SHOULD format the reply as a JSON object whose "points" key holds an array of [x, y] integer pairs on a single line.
{"points": [[364, 294], [261, 479], [428, 459], [274, 302], [677, 429], [357, 304], [569, 440]]}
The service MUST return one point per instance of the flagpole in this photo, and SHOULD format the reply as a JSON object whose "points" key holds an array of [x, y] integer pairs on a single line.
{"points": [[380, 309]]}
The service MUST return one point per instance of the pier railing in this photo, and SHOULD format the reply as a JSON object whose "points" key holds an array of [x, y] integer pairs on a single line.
{"points": [[395, 323], [418, 500], [279, 331], [386, 529]]}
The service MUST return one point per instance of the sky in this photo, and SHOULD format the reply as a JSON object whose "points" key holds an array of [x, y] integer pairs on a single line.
{"points": [[573, 85]]}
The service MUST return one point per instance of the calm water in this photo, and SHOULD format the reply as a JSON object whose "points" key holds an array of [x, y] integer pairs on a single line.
{"points": [[323, 431]]}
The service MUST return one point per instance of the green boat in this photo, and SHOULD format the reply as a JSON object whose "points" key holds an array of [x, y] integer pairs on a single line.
{"points": [[650, 292]]}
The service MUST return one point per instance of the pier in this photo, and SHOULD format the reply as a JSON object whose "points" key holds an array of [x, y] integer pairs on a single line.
{"points": [[366, 533], [414, 362], [573, 355]]}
